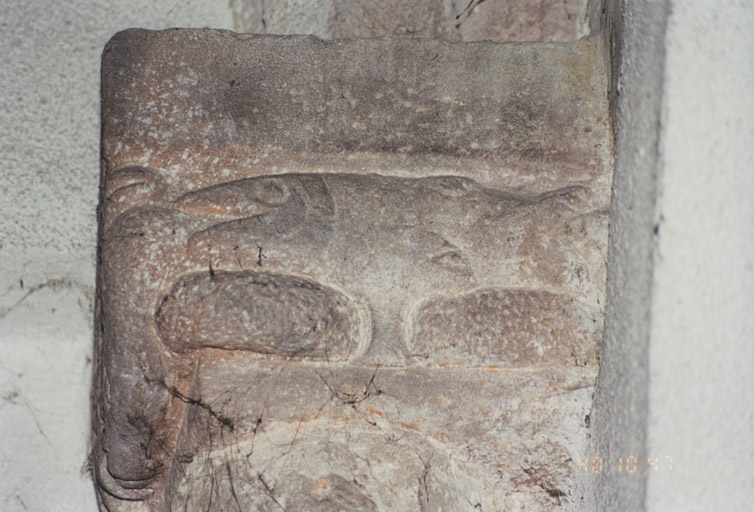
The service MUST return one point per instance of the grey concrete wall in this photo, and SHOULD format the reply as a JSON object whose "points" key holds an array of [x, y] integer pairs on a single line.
{"points": [[635, 33], [676, 370]]}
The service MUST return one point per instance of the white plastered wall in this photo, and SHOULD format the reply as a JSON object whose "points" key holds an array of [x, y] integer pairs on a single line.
{"points": [[701, 349]]}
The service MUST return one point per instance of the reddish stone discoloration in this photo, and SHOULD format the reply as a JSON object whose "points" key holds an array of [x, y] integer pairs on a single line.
{"points": [[294, 232]]}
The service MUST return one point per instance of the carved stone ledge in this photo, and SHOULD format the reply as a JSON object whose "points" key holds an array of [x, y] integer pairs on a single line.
{"points": [[347, 275]]}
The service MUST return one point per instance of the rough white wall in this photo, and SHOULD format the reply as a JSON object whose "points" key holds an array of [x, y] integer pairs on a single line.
{"points": [[677, 372], [619, 415], [49, 174], [701, 351]]}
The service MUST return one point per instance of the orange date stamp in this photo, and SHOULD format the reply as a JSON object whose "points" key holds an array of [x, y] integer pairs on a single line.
{"points": [[626, 465]]}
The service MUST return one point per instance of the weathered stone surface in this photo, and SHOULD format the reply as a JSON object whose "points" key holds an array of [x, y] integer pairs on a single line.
{"points": [[522, 20], [450, 20], [425, 19], [349, 275]]}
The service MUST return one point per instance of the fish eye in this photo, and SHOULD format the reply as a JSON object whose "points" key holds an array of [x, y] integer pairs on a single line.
{"points": [[272, 191]]}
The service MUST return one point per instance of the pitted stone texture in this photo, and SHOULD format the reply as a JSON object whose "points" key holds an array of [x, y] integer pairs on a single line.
{"points": [[513, 328], [360, 275], [451, 20], [241, 311]]}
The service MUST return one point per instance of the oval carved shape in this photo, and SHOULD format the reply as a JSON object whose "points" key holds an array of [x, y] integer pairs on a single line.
{"points": [[261, 312], [514, 328]]}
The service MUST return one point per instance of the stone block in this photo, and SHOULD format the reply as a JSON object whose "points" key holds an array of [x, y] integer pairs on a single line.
{"points": [[347, 275], [425, 19], [522, 20], [451, 20]]}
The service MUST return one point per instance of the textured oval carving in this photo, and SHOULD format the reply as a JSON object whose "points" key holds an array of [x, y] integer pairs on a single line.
{"points": [[510, 327], [259, 312]]}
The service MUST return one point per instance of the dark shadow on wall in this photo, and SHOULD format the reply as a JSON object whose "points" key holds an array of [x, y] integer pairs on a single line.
{"points": [[633, 33]]}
